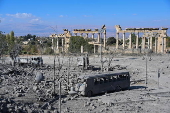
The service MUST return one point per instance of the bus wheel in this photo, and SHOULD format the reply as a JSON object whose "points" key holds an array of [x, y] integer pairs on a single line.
{"points": [[118, 88], [89, 93]]}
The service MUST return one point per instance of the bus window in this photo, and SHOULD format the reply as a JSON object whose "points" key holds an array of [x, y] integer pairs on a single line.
{"points": [[123, 76], [114, 78], [118, 77], [101, 80], [126, 76], [106, 80], [110, 79], [96, 81]]}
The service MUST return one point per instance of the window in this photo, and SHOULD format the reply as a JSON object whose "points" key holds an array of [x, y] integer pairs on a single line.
{"points": [[96, 81], [114, 78], [110, 79], [106, 80], [101, 80]]}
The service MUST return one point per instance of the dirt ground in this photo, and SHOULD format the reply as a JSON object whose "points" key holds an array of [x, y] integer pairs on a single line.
{"points": [[152, 96]]}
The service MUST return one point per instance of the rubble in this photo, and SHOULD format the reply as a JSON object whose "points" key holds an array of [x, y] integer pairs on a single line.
{"points": [[31, 89]]}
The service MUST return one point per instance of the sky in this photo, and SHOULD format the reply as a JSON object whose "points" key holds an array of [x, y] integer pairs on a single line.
{"points": [[46, 17]]}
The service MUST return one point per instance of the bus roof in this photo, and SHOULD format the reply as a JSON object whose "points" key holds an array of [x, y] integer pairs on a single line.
{"points": [[100, 75]]}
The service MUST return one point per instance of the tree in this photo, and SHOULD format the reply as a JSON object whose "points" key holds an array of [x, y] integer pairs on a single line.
{"points": [[34, 36], [15, 51], [76, 42], [34, 49], [140, 40], [12, 38], [3, 44], [28, 36], [133, 37], [49, 51], [111, 41], [168, 41]]}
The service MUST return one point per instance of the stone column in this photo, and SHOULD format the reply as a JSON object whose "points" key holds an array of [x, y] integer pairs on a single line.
{"points": [[98, 39], [156, 44], [92, 35], [66, 43], [123, 40], [117, 40], [52, 43], [148, 42], [143, 43], [151, 45], [81, 49], [81, 34], [104, 39], [137, 40], [130, 41], [94, 49], [57, 43], [62, 44], [162, 44], [86, 35]]}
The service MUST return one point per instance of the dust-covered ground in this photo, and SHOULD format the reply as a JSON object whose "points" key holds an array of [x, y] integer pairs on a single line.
{"points": [[153, 96]]}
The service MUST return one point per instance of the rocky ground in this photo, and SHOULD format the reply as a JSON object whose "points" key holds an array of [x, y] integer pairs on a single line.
{"points": [[20, 92]]}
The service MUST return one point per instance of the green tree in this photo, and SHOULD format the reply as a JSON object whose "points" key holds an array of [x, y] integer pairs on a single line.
{"points": [[15, 51], [111, 41], [12, 38], [33, 50], [133, 38], [3, 44], [140, 40], [76, 42], [34, 36], [49, 51], [168, 41], [8, 39]]}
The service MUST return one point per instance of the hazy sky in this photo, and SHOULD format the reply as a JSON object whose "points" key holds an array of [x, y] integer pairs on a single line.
{"points": [[45, 17]]}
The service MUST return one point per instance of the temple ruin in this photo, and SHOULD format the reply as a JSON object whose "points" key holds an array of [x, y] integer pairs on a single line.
{"points": [[158, 45], [159, 34], [65, 38]]}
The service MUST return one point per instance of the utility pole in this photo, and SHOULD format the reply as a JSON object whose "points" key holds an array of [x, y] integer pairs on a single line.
{"points": [[54, 47], [68, 71], [41, 49], [59, 96], [54, 76], [101, 53], [146, 71]]}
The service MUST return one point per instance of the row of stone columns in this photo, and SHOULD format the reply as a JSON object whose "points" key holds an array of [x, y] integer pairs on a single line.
{"points": [[57, 43], [150, 42], [150, 45], [98, 37], [81, 34]]}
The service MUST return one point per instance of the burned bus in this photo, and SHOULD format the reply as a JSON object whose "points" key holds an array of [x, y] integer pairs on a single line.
{"points": [[89, 85]]}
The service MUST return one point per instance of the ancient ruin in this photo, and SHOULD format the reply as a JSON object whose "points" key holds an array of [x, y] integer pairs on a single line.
{"points": [[160, 38], [159, 46], [83, 83], [67, 34]]}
